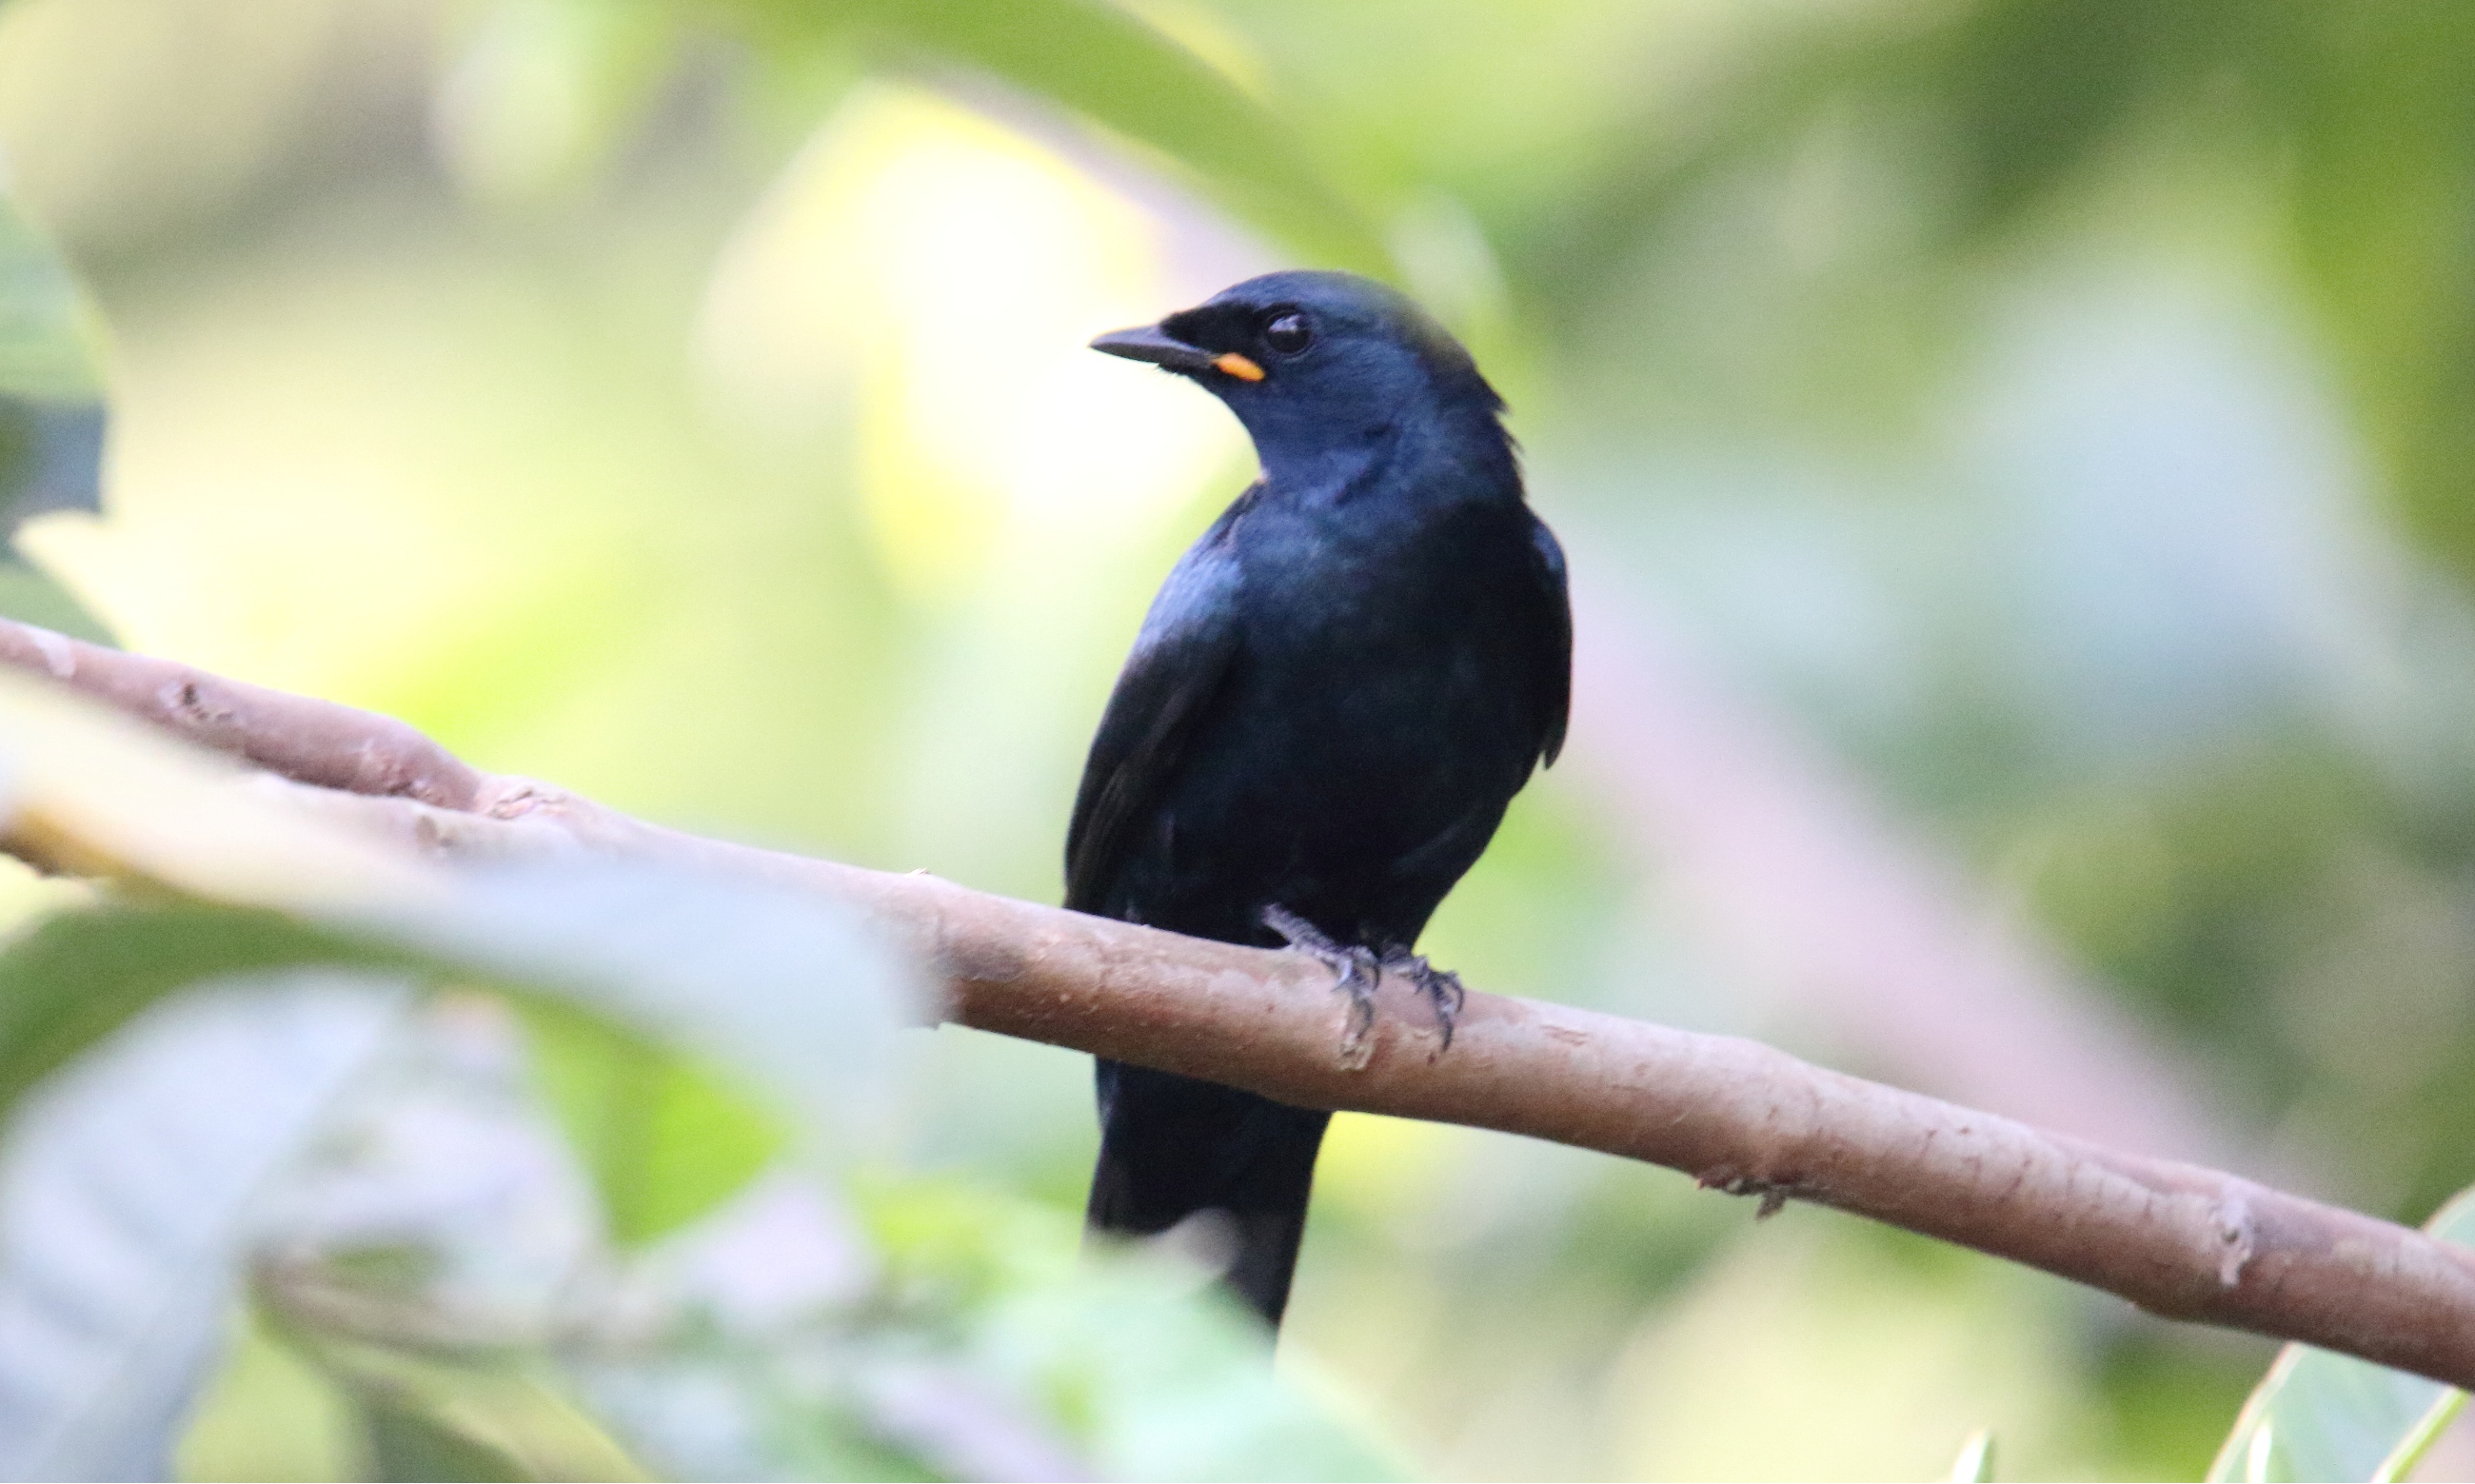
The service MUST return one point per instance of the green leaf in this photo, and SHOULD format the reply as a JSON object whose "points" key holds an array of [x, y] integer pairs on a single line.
{"points": [[620, 944], [53, 453], [124, 1190], [681, 974], [613, 960], [1117, 71], [51, 390], [664, 1142], [783, 984], [268, 1414], [2323, 1416], [447, 1415], [52, 420], [2375, 112], [47, 332], [788, 989], [79, 976]]}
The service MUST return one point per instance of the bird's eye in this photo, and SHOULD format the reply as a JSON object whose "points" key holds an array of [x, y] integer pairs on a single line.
{"points": [[1288, 332]]}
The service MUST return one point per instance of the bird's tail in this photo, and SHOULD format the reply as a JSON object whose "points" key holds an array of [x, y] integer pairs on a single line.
{"points": [[1172, 1147]]}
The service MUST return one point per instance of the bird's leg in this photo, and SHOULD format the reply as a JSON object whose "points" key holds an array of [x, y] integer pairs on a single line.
{"points": [[1442, 988], [1355, 970]]}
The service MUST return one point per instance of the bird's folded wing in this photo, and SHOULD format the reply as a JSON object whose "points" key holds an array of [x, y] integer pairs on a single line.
{"points": [[1180, 661], [1552, 672]]}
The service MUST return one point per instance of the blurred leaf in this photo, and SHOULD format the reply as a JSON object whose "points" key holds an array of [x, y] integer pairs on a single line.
{"points": [[96, 792], [46, 332], [51, 408], [990, 1346], [2374, 134], [123, 1192], [703, 1407], [438, 1416], [2030, 92], [1150, 1372], [1117, 71], [53, 453], [787, 984], [2323, 1416], [1165, 1380], [79, 975], [786, 990], [778, 984], [1974, 1463], [664, 1143], [268, 1414]]}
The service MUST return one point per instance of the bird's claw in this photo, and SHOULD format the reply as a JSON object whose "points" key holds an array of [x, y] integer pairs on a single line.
{"points": [[1442, 988], [1356, 972]]}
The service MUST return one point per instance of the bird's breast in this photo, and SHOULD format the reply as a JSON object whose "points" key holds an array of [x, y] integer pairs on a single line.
{"points": [[1378, 668]]}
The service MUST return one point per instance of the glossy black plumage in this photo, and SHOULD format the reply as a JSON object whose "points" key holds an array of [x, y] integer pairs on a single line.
{"points": [[1332, 698]]}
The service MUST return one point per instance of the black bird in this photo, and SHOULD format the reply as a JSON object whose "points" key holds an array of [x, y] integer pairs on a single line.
{"points": [[1337, 690]]}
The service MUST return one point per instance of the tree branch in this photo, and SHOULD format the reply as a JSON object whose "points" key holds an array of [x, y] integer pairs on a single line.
{"points": [[2178, 1240]]}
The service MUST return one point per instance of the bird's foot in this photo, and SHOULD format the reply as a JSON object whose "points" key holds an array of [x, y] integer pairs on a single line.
{"points": [[1442, 988], [1355, 971]]}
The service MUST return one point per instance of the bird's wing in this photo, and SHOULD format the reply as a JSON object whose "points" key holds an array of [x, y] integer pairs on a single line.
{"points": [[1552, 670], [1180, 661]]}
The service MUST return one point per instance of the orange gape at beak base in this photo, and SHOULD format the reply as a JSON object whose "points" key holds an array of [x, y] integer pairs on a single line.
{"points": [[1238, 366]]}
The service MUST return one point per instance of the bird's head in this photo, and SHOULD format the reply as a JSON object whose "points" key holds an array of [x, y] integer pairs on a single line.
{"points": [[1315, 364]]}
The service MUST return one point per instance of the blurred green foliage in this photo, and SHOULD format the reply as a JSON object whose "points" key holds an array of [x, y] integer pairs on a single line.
{"points": [[442, 1273], [51, 410], [46, 335], [665, 1144], [2052, 407]]}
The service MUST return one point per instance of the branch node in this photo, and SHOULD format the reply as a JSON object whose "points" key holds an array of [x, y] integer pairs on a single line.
{"points": [[58, 657], [188, 699], [518, 801], [1773, 1193], [2237, 1235]]}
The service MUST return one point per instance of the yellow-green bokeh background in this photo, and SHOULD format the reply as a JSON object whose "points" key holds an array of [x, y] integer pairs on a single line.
{"points": [[687, 407]]}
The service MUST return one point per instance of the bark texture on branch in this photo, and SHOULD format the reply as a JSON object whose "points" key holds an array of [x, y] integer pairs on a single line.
{"points": [[2181, 1241]]}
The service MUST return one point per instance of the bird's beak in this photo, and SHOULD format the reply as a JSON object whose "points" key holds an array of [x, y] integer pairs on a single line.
{"points": [[1150, 343]]}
